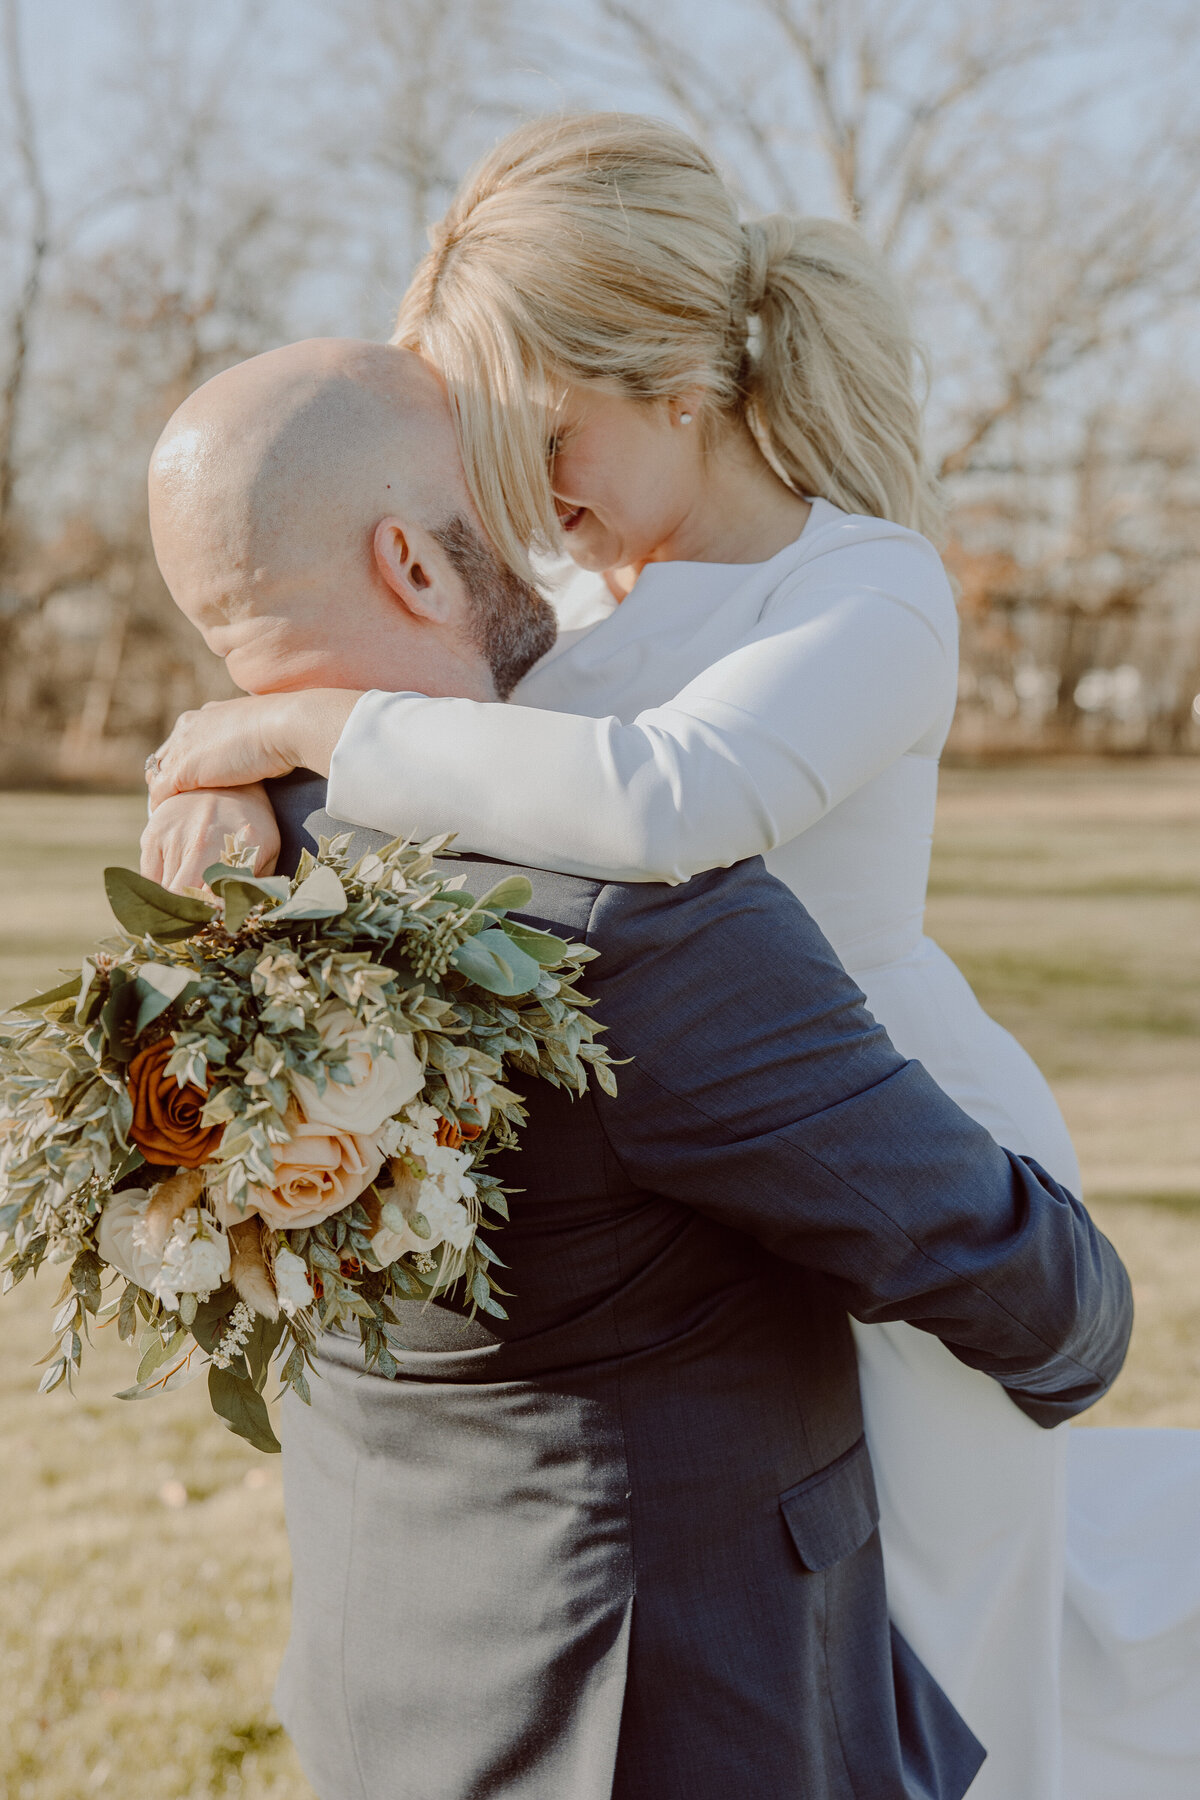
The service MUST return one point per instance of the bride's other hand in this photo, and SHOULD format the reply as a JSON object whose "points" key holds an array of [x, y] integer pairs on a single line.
{"points": [[230, 743], [186, 833]]}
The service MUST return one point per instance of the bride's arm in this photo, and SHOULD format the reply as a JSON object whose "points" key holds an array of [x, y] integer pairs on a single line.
{"points": [[755, 750]]}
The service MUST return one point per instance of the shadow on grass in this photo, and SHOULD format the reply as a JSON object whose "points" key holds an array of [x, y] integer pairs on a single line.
{"points": [[241, 1741]]}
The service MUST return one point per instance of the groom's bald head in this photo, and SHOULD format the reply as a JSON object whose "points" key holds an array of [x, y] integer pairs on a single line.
{"points": [[299, 501]]}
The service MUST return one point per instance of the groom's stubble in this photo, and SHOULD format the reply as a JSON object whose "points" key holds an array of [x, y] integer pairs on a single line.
{"points": [[510, 623]]}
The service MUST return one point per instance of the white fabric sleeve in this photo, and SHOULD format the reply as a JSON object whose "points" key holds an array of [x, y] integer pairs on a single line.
{"points": [[825, 695]]}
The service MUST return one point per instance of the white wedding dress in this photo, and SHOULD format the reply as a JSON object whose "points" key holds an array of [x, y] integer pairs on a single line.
{"points": [[797, 708]]}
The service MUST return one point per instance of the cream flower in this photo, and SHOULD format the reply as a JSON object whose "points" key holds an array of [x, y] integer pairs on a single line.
{"points": [[318, 1170], [291, 1281], [449, 1219], [194, 1259], [395, 1236], [381, 1082], [115, 1239], [438, 1194]]}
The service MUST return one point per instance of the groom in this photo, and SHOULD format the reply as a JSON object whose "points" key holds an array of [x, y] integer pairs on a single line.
{"points": [[624, 1542]]}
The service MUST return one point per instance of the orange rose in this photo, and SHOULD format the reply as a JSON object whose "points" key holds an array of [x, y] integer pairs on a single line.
{"points": [[451, 1136], [166, 1117]]}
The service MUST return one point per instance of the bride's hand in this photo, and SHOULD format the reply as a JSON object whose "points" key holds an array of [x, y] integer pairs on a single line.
{"points": [[186, 834], [230, 743]]}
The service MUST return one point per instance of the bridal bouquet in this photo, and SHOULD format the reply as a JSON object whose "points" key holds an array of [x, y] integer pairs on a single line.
{"points": [[273, 1114]]}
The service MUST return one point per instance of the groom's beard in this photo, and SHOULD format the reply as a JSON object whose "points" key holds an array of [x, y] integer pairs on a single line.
{"points": [[510, 623]]}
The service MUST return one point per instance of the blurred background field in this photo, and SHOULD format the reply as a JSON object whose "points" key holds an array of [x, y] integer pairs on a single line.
{"points": [[1069, 894], [143, 1551], [144, 1560]]}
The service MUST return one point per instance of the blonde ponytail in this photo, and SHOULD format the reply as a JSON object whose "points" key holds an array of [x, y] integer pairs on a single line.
{"points": [[606, 247], [830, 390]]}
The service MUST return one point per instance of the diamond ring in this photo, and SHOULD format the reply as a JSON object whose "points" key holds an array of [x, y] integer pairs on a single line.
{"points": [[151, 763]]}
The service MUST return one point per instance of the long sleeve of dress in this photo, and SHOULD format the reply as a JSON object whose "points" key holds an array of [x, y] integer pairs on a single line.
{"points": [[849, 665]]}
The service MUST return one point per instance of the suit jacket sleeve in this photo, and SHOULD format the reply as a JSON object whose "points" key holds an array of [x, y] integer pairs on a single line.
{"points": [[762, 1092]]}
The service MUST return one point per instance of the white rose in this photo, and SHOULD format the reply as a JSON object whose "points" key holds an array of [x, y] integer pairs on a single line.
{"points": [[115, 1238], [381, 1082], [291, 1281], [195, 1258]]}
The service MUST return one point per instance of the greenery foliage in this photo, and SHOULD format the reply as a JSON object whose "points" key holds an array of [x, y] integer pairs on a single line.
{"points": [[243, 990]]}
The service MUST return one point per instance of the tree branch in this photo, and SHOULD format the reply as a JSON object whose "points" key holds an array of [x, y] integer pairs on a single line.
{"points": [[12, 389]]}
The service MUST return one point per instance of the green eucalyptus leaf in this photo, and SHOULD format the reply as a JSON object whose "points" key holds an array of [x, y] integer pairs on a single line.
{"points": [[67, 991], [320, 896], [91, 993], [127, 1315], [159, 985], [132, 1159], [269, 887], [260, 1347], [509, 895], [243, 1409], [159, 1353], [239, 890], [212, 1317], [492, 961], [148, 910], [118, 1016], [541, 945]]}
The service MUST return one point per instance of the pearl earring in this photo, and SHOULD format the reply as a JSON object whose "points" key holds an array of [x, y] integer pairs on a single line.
{"points": [[685, 418]]}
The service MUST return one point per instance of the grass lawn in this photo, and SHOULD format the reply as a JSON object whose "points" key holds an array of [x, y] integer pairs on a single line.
{"points": [[143, 1549]]}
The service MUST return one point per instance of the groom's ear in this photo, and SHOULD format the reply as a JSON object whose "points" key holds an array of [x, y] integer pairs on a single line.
{"points": [[412, 564]]}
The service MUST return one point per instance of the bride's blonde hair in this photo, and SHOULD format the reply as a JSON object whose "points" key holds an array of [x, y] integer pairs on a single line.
{"points": [[605, 247]]}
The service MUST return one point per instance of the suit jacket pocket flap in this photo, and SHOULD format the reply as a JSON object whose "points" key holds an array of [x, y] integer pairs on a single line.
{"points": [[833, 1512]]}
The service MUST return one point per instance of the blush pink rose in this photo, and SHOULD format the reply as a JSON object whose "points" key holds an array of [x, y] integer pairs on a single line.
{"points": [[318, 1171]]}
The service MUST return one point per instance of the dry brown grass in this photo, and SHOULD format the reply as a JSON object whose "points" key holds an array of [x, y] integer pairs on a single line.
{"points": [[1070, 896], [143, 1548], [144, 1556]]}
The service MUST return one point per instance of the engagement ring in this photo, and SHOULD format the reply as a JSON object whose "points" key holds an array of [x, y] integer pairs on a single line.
{"points": [[151, 763]]}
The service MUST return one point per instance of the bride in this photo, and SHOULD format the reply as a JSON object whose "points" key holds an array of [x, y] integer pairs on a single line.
{"points": [[718, 420]]}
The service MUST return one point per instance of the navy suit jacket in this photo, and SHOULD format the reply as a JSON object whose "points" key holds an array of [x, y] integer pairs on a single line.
{"points": [[634, 1525]]}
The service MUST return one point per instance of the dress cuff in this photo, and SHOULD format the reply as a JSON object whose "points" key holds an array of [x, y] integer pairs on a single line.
{"points": [[356, 793]]}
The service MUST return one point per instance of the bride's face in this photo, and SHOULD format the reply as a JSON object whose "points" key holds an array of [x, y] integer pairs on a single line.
{"points": [[626, 476]]}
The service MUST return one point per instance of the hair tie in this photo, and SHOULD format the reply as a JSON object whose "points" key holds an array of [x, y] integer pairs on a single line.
{"points": [[768, 241]]}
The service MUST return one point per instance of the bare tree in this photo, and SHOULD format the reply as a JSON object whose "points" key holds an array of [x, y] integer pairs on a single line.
{"points": [[35, 249], [952, 137], [1045, 263], [416, 90]]}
